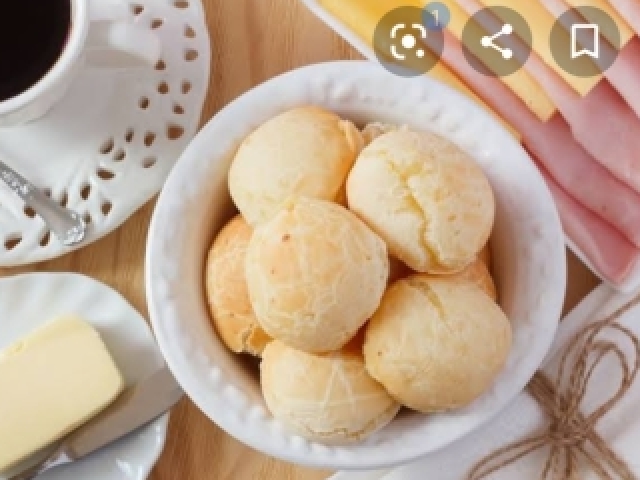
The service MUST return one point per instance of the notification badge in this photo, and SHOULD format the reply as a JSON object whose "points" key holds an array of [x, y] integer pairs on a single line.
{"points": [[436, 16], [585, 41]]}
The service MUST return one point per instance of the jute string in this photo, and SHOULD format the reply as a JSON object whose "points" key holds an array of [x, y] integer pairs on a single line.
{"points": [[571, 437]]}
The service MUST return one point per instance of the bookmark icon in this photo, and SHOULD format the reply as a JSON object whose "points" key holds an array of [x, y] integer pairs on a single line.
{"points": [[593, 31], [585, 42]]}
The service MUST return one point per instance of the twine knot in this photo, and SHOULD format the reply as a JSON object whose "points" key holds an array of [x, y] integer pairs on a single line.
{"points": [[570, 435], [567, 435]]}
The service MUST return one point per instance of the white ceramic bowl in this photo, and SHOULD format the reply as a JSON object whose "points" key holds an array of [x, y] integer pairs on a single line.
{"points": [[528, 251]]}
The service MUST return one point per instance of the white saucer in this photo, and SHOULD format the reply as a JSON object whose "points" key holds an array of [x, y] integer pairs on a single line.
{"points": [[27, 301], [105, 149]]}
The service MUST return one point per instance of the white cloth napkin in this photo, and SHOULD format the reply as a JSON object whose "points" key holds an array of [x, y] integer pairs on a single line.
{"points": [[524, 417]]}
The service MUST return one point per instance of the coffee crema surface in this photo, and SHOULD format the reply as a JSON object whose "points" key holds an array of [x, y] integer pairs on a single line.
{"points": [[33, 35]]}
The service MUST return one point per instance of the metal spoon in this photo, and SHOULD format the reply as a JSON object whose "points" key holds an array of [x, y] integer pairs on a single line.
{"points": [[66, 224]]}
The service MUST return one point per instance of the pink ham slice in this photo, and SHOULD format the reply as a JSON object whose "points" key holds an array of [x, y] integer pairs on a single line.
{"points": [[630, 10], [624, 73], [608, 252], [552, 142], [585, 179], [601, 122]]}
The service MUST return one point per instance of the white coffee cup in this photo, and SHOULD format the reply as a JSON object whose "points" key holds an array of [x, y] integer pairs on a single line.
{"points": [[100, 35]]}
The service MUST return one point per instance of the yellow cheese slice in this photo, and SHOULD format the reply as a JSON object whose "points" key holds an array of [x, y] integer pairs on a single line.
{"points": [[52, 381], [520, 82], [541, 23], [625, 31], [362, 16]]}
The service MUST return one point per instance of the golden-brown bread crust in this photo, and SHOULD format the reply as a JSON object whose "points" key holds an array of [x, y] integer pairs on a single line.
{"points": [[397, 269], [226, 289], [485, 256], [373, 130], [479, 274], [429, 201], [436, 343], [315, 275], [329, 397], [305, 151]]}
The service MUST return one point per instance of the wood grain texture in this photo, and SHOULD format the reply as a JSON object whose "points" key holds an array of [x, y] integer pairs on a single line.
{"points": [[252, 42]]}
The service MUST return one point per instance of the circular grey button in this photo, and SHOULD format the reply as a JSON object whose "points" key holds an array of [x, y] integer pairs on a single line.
{"points": [[496, 41], [405, 45], [585, 41]]}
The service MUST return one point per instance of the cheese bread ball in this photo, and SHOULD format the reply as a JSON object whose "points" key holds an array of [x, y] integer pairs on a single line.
{"points": [[479, 274], [227, 292], [306, 151], [328, 397], [373, 130], [425, 197], [315, 275], [436, 344]]}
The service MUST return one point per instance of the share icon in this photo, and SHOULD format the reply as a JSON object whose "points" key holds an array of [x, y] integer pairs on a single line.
{"points": [[487, 41]]}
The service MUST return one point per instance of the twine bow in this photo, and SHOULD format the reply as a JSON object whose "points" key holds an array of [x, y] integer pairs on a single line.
{"points": [[571, 435]]}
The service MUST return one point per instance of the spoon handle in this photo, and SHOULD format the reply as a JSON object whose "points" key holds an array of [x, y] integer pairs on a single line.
{"points": [[66, 224]]}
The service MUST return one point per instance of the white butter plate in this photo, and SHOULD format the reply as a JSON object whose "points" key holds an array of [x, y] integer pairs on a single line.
{"points": [[28, 301], [109, 145]]}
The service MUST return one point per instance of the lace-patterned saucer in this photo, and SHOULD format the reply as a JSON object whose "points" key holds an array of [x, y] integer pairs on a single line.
{"points": [[108, 147]]}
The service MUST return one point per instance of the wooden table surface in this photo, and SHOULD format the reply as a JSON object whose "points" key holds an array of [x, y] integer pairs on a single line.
{"points": [[252, 41]]}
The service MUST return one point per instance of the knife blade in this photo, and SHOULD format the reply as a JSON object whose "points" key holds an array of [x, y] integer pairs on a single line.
{"points": [[134, 408]]}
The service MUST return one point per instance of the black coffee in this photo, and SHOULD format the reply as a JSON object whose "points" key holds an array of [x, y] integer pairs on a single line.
{"points": [[33, 34]]}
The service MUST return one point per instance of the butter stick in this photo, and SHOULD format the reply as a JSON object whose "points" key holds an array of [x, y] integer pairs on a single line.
{"points": [[361, 17], [52, 382]]}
